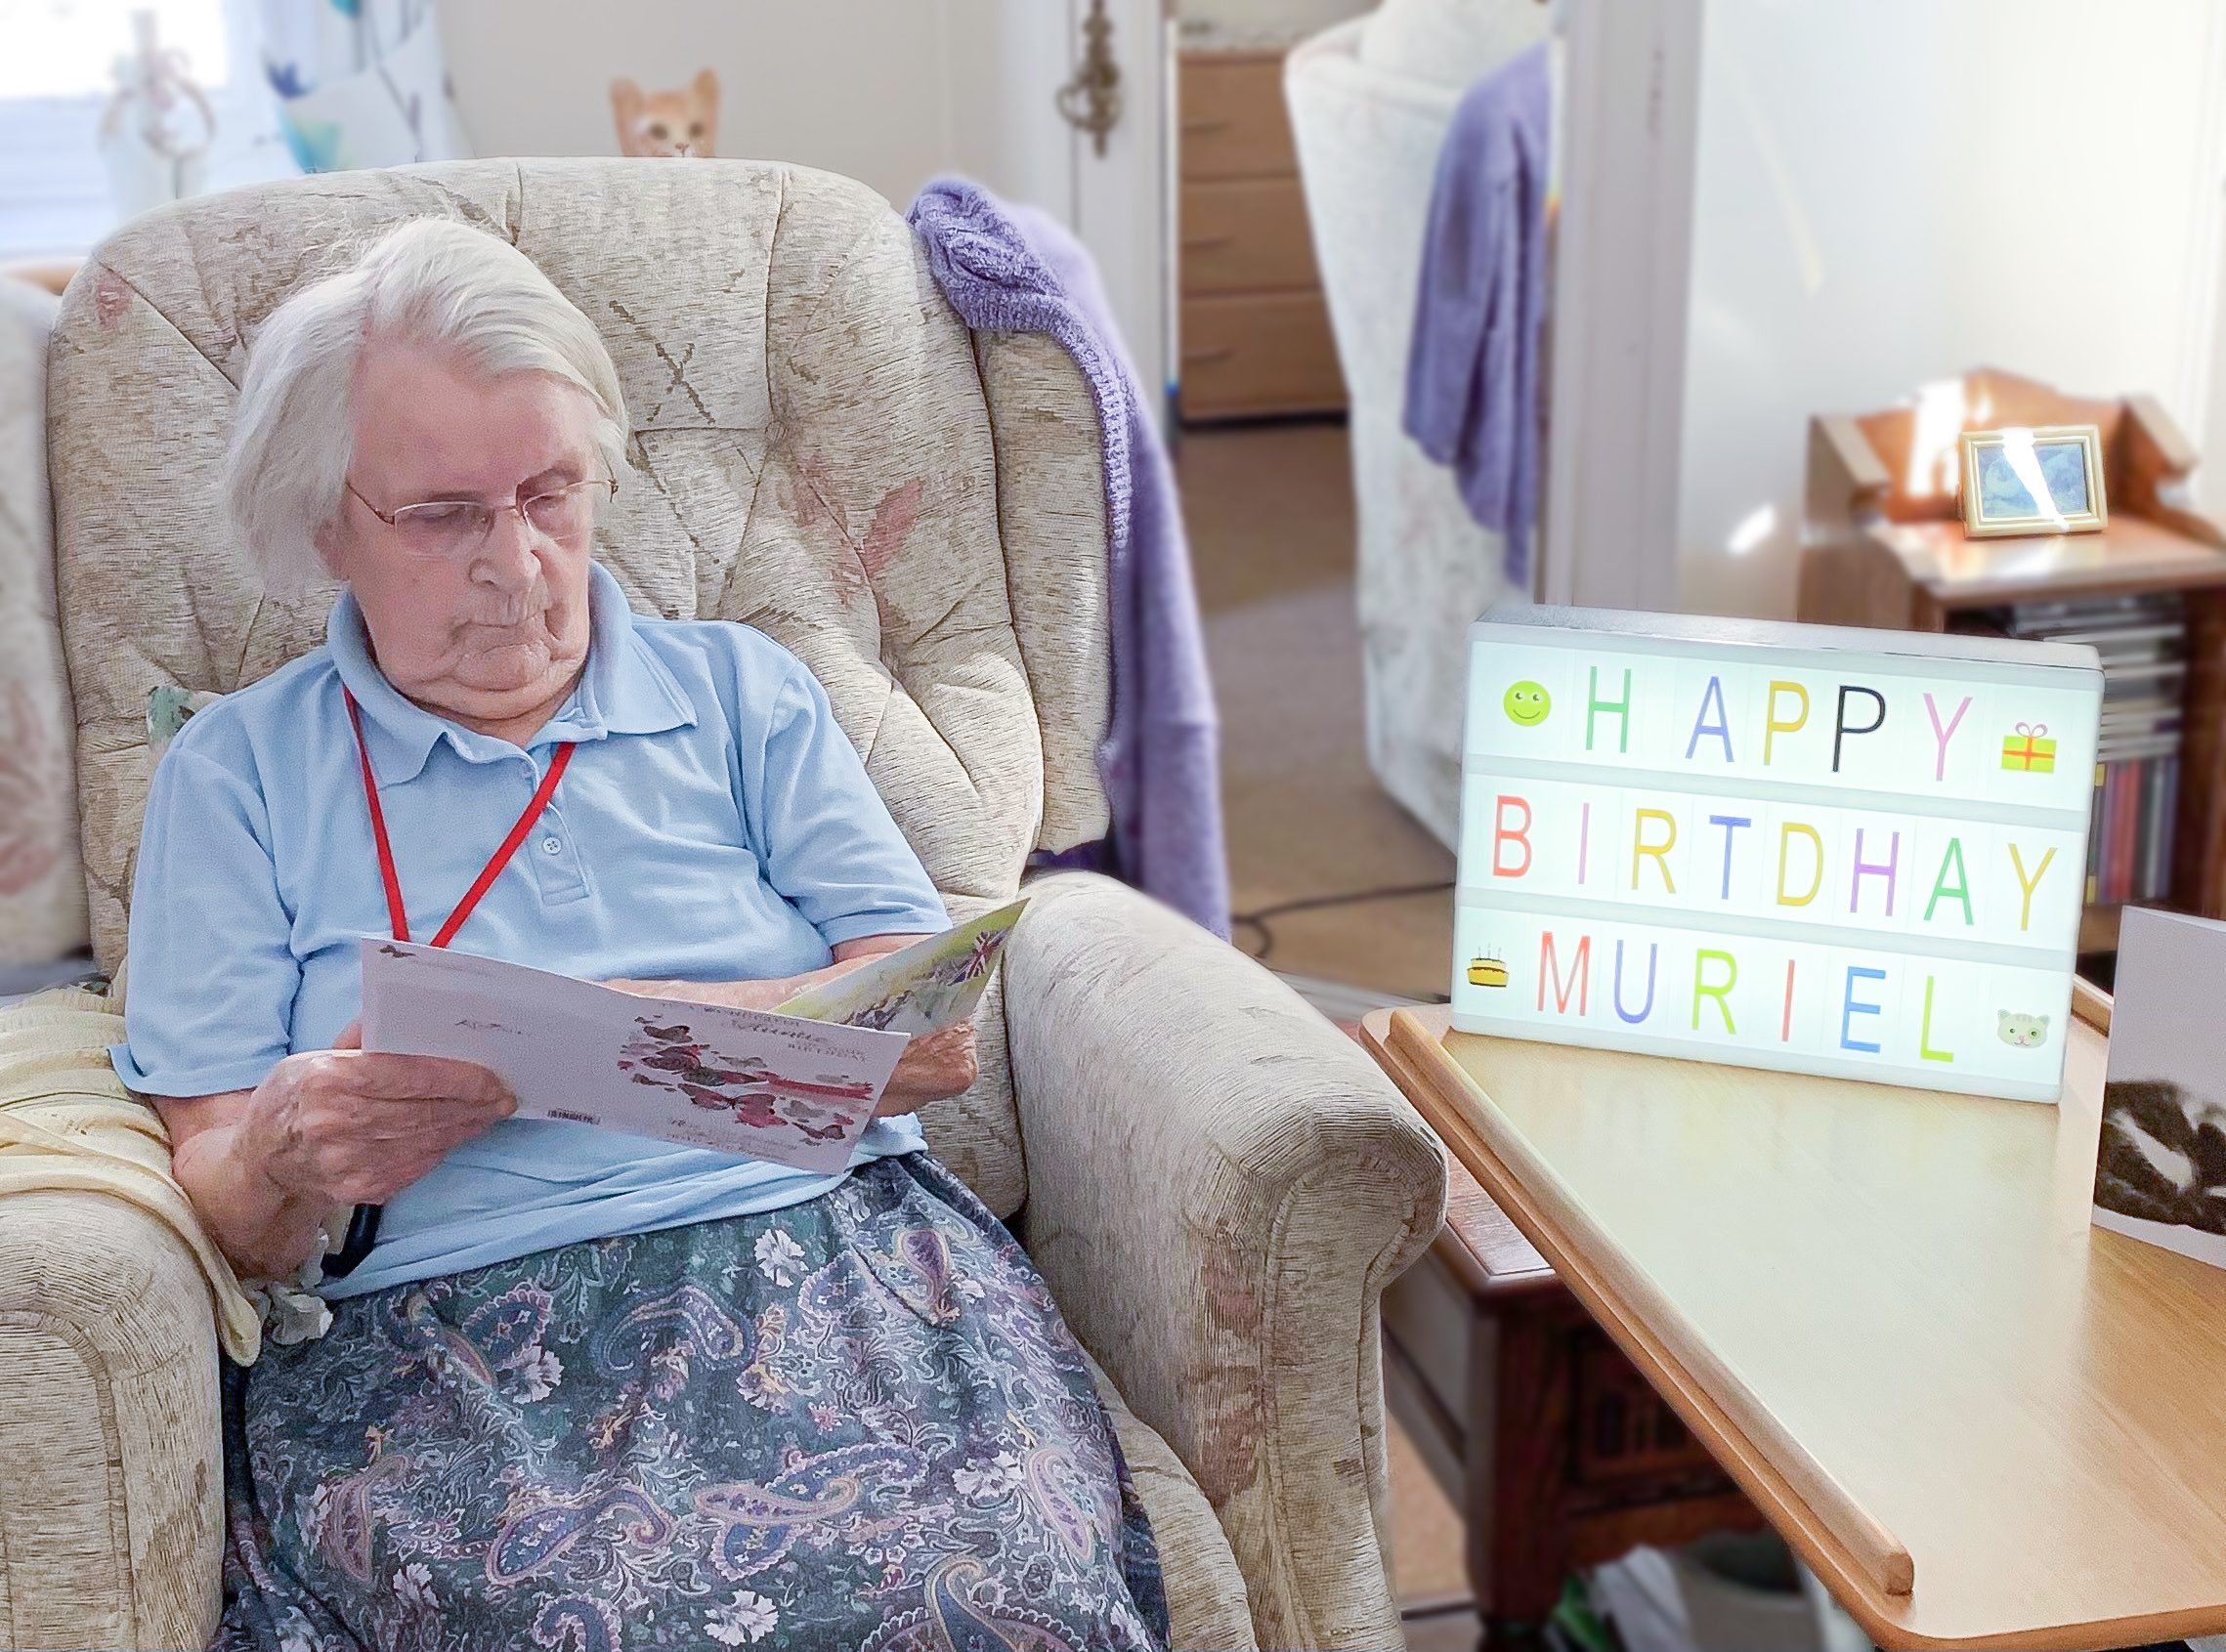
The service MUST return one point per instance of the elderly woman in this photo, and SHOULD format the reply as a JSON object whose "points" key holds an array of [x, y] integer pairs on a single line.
{"points": [[587, 1389]]}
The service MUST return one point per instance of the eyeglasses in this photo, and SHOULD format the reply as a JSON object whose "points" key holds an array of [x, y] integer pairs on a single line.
{"points": [[439, 529]]}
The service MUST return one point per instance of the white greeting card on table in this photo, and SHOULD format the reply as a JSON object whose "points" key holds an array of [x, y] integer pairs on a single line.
{"points": [[777, 1086], [2160, 1167]]}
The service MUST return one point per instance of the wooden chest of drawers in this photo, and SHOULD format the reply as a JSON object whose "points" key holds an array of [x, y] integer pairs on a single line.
{"points": [[1255, 331]]}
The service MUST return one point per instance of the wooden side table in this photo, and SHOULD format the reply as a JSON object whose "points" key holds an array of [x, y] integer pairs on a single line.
{"points": [[1981, 1421], [1550, 1441]]}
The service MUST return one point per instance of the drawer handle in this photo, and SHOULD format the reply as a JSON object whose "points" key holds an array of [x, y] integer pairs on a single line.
{"points": [[1197, 126], [1201, 356], [1206, 243]]}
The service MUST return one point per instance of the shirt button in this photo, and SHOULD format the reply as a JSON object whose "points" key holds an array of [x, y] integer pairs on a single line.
{"points": [[551, 846]]}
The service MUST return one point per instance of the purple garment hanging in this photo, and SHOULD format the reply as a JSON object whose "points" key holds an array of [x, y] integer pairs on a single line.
{"points": [[1015, 270], [1473, 359]]}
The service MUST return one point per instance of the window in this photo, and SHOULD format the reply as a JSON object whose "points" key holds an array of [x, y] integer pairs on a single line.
{"points": [[56, 79]]}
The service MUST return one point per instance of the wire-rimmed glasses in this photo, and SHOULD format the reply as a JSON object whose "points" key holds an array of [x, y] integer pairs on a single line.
{"points": [[447, 530]]}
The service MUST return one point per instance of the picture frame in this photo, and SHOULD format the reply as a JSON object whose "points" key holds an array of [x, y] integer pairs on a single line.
{"points": [[2030, 481]]}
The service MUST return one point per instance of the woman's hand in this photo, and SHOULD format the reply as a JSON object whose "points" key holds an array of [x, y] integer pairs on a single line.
{"points": [[774, 992], [939, 1065], [324, 1131], [931, 1068], [347, 1126]]}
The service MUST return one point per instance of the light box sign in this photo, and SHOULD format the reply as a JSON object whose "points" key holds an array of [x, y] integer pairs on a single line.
{"points": [[1856, 853]]}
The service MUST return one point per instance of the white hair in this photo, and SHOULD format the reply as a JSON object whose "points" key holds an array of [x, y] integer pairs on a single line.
{"points": [[430, 283]]}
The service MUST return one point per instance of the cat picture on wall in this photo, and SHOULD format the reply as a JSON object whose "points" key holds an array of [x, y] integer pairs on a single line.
{"points": [[681, 125]]}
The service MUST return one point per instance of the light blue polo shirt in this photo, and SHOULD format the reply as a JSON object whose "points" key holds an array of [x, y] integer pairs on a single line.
{"points": [[715, 824]]}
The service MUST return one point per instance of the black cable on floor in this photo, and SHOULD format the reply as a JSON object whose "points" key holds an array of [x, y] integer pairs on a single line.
{"points": [[1257, 920]]}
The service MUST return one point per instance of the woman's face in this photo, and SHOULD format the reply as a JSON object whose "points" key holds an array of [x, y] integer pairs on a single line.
{"points": [[486, 631]]}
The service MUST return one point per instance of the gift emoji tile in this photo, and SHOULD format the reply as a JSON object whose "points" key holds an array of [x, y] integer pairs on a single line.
{"points": [[2029, 750]]}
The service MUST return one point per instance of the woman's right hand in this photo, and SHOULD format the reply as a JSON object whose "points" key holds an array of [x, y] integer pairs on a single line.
{"points": [[348, 1126]]}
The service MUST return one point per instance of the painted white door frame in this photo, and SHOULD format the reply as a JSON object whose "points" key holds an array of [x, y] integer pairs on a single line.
{"points": [[1622, 267], [1117, 203], [2201, 392], [1122, 209]]}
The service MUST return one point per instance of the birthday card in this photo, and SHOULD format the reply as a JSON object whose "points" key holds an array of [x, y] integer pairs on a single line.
{"points": [[2160, 1167], [796, 1085], [1852, 853]]}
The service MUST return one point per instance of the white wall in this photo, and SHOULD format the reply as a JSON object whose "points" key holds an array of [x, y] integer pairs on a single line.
{"points": [[1892, 192], [885, 93], [889, 92]]}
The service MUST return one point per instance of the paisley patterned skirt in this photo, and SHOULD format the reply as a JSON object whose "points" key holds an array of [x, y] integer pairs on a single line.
{"points": [[855, 1422]]}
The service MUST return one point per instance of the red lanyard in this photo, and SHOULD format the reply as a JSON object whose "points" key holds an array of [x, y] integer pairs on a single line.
{"points": [[493, 868]]}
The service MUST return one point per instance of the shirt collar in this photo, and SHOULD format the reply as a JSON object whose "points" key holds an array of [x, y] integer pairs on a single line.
{"points": [[625, 690]]}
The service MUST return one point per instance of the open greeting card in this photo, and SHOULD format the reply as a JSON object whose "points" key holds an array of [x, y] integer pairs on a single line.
{"points": [[797, 1085]]}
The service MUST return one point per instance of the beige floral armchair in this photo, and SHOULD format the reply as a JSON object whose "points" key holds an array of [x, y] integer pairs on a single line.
{"points": [[1216, 1183]]}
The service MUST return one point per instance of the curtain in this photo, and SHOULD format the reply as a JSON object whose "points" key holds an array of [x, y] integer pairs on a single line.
{"points": [[359, 83]]}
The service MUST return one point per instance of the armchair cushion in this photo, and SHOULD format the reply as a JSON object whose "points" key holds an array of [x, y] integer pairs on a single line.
{"points": [[1206, 1606], [42, 883], [1221, 1185], [113, 1521], [68, 1125]]}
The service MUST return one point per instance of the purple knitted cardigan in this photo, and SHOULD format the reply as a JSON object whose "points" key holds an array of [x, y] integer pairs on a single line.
{"points": [[1015, 270]]}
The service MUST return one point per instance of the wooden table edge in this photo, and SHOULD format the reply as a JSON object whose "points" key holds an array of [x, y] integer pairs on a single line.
{"points": [[1737, 1455], [1835, 1562]]}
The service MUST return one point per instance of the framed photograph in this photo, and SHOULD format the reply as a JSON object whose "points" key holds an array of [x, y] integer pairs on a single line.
{"points": [[2042, 481]]}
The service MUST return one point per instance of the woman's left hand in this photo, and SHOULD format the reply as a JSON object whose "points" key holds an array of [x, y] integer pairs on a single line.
{"points": [[931, 1068], [939, 1065]]}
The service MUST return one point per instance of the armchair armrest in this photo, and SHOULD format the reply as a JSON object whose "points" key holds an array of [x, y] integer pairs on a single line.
{"points": [[112, 1529], [1221, 1185]]}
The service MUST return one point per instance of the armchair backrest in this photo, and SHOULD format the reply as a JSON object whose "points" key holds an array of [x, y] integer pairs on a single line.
{"points": [[822, 449]]}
